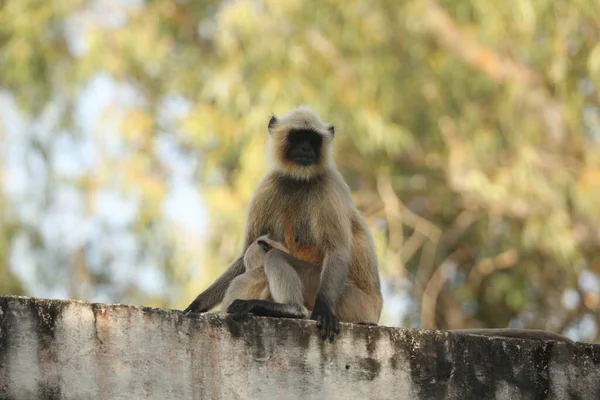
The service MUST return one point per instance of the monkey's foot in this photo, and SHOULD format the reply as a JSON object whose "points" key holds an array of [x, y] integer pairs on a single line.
{"points": [[196, 306], [265, 308], [239, 307]]}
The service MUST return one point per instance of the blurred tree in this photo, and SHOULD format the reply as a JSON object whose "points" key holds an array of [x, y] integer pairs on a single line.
{"points": [[470, 133], [9, 283]]}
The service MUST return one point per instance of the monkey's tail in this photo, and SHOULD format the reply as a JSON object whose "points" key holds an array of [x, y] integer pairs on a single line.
{"points": [[530, 334]]}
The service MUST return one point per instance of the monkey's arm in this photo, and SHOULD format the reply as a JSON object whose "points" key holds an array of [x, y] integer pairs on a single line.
{"points": [[333, 277], [215, 292], [337, 240]]}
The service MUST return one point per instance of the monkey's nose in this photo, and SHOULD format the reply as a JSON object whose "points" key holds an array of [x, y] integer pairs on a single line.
{"points": [[264, 245]]}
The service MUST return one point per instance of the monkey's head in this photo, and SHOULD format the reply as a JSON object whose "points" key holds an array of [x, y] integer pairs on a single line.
{"points": [[301, 143], [255, 254]]}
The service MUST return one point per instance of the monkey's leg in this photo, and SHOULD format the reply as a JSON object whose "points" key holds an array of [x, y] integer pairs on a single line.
{"points": [[265, 308], [215, 292], [354, 305], [232, 292], [285, 283], [248, 286], [357, 306], [309, 274]]}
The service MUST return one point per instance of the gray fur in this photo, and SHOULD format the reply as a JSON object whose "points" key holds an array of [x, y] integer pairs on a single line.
{"points": [[334, 275], [214, 294], [285, 284], [310, 208], [529, 334]]}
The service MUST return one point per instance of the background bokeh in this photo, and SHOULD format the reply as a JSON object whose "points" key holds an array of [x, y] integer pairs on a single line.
{"points": [[132, 134]]}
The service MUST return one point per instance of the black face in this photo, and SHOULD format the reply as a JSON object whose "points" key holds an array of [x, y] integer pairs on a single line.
{"points": [[265, 245], [303, 147]]}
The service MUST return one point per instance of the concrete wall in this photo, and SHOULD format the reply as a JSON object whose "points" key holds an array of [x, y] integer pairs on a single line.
{"points": [[75, 350]]}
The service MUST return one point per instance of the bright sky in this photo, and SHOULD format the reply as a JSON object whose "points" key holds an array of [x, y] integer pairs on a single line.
{"points": [[67, 223]]}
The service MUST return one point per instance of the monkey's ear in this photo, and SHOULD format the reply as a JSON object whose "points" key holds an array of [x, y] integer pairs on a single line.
{"points": [[331, 130], [272, 123]]}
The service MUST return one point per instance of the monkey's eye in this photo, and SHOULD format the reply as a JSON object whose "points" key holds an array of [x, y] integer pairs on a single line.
{"points": [[264, 245]]}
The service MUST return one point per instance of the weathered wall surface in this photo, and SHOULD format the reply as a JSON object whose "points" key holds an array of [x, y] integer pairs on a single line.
{"points": [[76, 350]]}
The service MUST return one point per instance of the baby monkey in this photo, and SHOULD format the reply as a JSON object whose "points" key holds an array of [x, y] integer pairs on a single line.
{"points": [[263, 282]]}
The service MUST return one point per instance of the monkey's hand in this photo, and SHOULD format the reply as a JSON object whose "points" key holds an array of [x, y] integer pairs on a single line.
{"points": [[327, 323]]}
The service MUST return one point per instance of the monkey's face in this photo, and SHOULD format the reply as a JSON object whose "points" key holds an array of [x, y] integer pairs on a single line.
{"points": [[300, 142], [255, 254], [303, 147]]}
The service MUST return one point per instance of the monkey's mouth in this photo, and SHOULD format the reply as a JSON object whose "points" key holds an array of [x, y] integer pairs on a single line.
{"points": [[304, 161]]}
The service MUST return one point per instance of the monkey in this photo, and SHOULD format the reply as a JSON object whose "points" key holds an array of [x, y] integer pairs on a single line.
{"points": [[254, 284], [304, 202]]}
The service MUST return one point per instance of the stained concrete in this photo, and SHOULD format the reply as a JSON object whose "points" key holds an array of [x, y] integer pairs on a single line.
{"points": [[52, 349]]}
